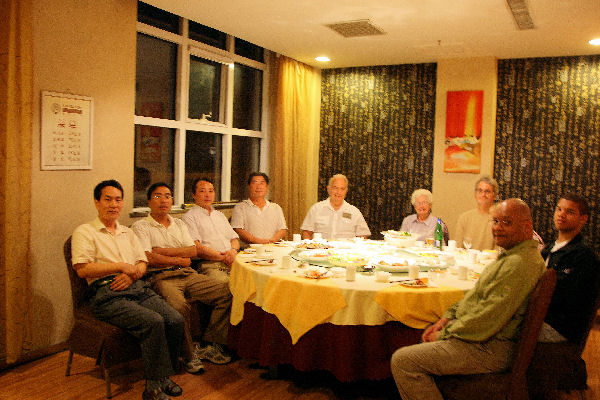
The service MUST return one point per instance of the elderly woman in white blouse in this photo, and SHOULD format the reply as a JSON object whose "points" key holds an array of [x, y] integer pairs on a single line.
{"points": [[422, 224]]}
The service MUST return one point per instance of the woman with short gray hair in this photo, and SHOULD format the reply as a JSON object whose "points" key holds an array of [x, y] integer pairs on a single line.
{"points": [[421, 225]]}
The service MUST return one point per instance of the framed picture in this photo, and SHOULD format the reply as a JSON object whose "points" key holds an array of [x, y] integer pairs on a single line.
{"points": [[66, 137], [464, 117]]}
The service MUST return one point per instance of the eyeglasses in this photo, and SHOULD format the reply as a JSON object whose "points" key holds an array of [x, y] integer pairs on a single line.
{"points": [[507, 223], [162, 196], [486, 191]]}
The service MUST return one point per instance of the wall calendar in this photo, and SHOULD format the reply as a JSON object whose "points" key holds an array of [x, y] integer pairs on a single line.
{"points": [[66, 139]]}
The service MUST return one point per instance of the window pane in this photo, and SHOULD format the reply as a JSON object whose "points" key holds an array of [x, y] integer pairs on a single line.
{"points": [[205, 89], [244, 159], [155, 77], [202, 159], [154, 154], [156, 17], [207, 35], [247, 97], [248, 50]]}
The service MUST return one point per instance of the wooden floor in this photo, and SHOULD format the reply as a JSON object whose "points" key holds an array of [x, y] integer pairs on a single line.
{"points": [[45, 379]]}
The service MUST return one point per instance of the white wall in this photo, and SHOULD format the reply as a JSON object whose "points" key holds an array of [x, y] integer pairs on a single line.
{"points": [[85, 48]]}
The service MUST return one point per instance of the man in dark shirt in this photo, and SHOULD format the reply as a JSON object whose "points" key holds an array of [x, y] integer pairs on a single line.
{"points": [[577, 269]]}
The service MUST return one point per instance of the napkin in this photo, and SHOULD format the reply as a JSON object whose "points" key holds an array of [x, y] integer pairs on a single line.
{"points": [[300, 304], [418, 307]]}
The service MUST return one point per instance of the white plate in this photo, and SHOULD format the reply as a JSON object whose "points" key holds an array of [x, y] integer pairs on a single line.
{"points": [[386, 263], [315, 255], [264, 262], [315, 273]]}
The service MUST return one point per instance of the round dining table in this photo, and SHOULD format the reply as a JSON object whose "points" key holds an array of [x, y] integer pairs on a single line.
{"points": [[349, 328]]}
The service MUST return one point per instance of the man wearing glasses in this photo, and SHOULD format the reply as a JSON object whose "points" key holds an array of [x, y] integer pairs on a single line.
{"points": [[474, 225], [170, 248], [478, 333]]}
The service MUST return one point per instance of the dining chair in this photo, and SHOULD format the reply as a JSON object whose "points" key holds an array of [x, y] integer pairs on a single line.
{"points": [[559, 367], [90, 337], [510, 384]]}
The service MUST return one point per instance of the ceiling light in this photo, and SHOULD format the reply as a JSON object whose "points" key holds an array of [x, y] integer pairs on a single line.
{"points": [[595, 42], [322, 58]]}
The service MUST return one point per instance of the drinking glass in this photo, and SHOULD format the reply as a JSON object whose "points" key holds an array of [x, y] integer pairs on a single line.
{"points": [[467, 243]]}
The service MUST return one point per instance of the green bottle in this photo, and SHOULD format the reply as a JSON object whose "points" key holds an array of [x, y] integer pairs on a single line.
{"points": [[439, 235]]}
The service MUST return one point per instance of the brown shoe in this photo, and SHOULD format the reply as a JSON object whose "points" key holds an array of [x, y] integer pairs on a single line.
{"points": [[155, 394]]}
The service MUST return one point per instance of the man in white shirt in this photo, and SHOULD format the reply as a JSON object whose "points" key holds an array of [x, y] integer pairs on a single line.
{"points": [[110, 257], [170, 248], [475, 224], [215, 240], [333, 217], [256, 219]]}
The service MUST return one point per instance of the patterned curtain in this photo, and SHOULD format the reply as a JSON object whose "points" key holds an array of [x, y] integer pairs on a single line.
{"points": [[16, 63], [548, 136], [377, 129]]}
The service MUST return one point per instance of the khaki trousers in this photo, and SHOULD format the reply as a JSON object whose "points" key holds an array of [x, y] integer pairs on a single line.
{"points": [[412, 366], [177, 286]]}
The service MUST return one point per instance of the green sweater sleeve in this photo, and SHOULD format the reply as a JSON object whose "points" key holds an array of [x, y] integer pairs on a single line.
{"points": [[495, 301]]}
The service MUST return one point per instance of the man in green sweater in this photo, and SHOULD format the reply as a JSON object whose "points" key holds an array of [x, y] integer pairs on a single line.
{"points": [[478, 333]]}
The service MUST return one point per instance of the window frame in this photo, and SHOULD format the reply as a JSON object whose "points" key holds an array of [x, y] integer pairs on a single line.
{"points": [[186, 48]]}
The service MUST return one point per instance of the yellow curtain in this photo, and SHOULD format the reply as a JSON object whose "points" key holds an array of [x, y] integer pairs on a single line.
{"points": [[294, 143], [16, 93]]}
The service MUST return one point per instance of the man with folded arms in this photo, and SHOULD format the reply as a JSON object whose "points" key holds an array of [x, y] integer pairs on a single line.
{"points": [[170, 248], [478, 333], [215, 240], [256, 219], [577, 270], [474, 224], [112, 260], [333, 217]]}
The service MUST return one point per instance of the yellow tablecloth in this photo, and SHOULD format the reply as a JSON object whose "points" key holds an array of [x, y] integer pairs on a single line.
{"points": [[300, 304], [417, 308], [241, 284]]}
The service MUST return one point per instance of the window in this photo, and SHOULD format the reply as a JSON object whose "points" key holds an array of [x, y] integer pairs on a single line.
{"points": [[205, 89], [199, 107], [158, 18], [248, 50], [247, 100], [154, 156], [246, 152], [210, 36], [155, 77], [202, 160]]}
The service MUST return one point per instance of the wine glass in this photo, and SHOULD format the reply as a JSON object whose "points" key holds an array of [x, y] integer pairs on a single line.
{"points": [[467, 243]]}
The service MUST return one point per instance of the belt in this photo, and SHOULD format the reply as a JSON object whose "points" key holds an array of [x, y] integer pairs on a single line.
{"points": [[98, 283], [158, 271]]}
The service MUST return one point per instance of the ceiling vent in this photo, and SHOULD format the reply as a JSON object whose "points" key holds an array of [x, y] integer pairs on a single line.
{"points": [[361, 27], [520, 11]]}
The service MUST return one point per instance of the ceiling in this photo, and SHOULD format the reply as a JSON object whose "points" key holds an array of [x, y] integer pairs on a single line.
{"points": [[417, 31]]}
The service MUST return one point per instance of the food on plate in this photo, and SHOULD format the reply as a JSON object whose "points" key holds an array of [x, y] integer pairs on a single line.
{"points": [[348, 259], [313, 245], [316, 273], [402, 263], [265, 262], [415, 283], [425, 254], [397, 234]]}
